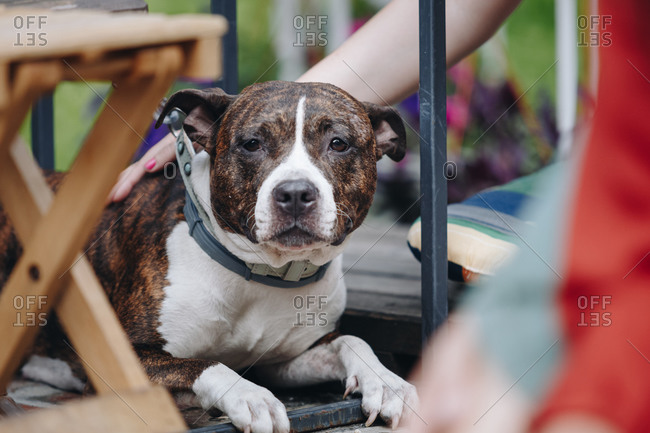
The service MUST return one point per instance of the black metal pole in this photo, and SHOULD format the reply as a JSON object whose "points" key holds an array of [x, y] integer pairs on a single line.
{"points": [[433, 158], [43, 132], [228, 8]]}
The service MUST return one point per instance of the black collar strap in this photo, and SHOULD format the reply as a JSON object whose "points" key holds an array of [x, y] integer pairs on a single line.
{"points": [[292, 275], [225, 258]]}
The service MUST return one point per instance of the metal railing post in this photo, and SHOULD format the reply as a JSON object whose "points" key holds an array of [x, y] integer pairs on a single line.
{"points": [[228, 8], [433, 158], [43, 132]]}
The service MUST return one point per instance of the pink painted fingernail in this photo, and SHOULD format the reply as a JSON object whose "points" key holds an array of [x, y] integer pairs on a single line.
{"points": [[150, 164]]}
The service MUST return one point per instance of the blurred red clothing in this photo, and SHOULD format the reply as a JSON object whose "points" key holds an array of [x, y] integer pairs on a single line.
{"points": [[605, 293]]}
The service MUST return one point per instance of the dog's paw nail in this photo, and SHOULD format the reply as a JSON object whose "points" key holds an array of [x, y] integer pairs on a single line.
{"points": [[351, 385], [247, 429], [372, 418], [394, 422]]}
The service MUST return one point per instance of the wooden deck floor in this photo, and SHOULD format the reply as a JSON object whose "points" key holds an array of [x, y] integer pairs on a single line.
{"points": [[383, 280], [377, 260]]}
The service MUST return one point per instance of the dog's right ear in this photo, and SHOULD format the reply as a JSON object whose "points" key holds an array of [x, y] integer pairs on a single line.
{"points": [[204, 109]]}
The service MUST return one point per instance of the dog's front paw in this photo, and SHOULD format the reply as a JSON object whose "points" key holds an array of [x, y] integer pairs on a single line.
{"points": [[383, 392], [250, 407]]}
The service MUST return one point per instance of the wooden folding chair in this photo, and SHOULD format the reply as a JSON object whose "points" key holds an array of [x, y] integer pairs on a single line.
{"points": [[141, 55]]}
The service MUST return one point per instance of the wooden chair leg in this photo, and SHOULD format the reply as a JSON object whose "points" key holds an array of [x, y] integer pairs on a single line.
{"points": [[84, 296], [54, 243]]}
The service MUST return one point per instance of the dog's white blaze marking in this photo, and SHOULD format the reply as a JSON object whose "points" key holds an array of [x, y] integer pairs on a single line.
{"points": [[297, 165], [52, 371], [300, 120]]}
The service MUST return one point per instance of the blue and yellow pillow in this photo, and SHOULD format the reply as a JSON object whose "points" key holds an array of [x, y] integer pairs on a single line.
{"points": [[484, 230]]}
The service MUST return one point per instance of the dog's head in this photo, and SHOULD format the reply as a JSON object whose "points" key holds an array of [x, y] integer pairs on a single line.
{"points": [[292, 165]]}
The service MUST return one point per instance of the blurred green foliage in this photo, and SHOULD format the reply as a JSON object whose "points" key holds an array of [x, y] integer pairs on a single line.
{"points": [[530, 49], [530, 35]]}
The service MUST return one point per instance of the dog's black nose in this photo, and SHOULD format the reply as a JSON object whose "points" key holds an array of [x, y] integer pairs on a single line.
{"points": [[295, 197]]}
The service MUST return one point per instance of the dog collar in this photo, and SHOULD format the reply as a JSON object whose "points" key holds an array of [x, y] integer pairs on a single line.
{"points": [[292, 275]]}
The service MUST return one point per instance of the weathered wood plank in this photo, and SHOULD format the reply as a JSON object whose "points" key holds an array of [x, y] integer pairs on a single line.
{"points": [[379, 247], [310, 419], [130, 411]]}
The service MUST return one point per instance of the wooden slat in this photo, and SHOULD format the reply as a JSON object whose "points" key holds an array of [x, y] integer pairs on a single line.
{"points": [[390, 305], [204, 58], [384, 333], [389, 323], [4, 87], [309, 419], [382, 283], [128, 411], [31, 80], [70, 33], [379, 246]]}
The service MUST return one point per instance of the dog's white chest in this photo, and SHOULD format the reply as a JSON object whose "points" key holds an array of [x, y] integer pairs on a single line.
{"points": [[210, 312]]}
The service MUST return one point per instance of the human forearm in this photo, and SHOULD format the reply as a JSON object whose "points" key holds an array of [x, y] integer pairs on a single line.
{"points": [[380, 62]]}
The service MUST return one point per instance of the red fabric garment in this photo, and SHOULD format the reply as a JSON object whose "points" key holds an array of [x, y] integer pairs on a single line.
{"points": [[604, 297]]}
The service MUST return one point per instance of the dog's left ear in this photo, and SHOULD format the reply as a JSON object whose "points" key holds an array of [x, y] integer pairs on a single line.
{"points": [[389, 131], [204, 109]]}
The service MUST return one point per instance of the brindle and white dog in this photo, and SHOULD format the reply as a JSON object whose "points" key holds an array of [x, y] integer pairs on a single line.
{"points": [[287, 171]]}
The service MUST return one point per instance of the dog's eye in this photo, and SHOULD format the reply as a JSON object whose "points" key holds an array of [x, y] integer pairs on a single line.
{"points": [[338, 145], [252, 145]]}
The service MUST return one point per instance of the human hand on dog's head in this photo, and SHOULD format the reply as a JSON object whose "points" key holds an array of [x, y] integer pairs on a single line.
{"points": [[152, 161]]}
